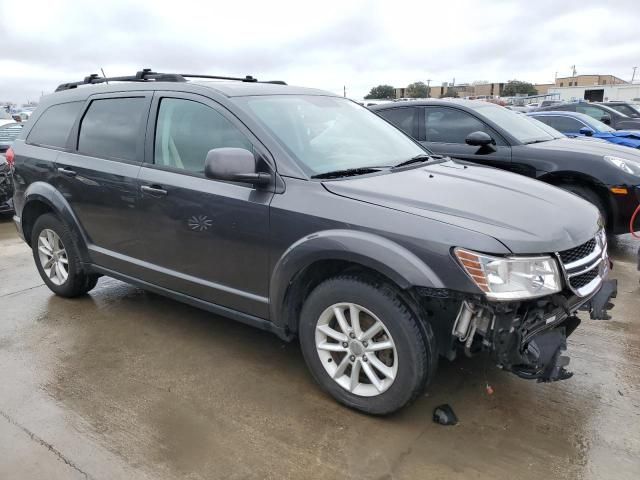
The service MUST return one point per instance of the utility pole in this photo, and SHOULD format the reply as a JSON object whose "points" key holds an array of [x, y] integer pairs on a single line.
{"points": [[344, 91], [428, 88], [633, 77], [573, 69]]}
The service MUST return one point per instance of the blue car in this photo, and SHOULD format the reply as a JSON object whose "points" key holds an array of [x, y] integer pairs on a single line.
{"points": [[574, 124]]}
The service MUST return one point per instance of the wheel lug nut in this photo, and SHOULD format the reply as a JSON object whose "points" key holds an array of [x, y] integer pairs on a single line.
{"points": [[345, 344], [352, 358], [352, 335], [364, 358], [365, 344]]}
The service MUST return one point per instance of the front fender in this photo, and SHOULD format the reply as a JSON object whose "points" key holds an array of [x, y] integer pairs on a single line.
{"points": [[47, 194], [369, 250]]}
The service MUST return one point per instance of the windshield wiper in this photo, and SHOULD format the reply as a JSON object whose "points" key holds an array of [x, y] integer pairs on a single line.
{"points": [[536, 141], [423, 157], [348, 172]]}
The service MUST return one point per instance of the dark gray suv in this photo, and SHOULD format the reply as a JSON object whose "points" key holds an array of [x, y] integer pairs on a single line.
{"points": [[305, 214]]}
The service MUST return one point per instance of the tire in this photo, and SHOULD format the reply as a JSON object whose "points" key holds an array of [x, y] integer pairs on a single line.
{"points": [[590, 196], [411, 361], [77, 281]]}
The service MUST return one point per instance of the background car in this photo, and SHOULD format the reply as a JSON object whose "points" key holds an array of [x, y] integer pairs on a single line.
{"points": [[600, 112], [8, 133], [606, 175], [629, 109], [575, 124], [6, 187], [5, 117]]}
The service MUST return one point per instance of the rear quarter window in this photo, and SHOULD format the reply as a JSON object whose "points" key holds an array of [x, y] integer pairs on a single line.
{"points": [[53, 126]]}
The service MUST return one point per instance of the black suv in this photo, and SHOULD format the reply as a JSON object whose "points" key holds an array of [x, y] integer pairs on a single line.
{"points": [[600, 111], [303, 213]]}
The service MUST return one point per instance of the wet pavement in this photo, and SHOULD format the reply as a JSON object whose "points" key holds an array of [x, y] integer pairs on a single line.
{"points": [[127, 384]]}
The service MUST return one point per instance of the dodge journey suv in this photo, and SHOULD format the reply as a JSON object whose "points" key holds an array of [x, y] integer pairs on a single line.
{"points": [[305, 214]]}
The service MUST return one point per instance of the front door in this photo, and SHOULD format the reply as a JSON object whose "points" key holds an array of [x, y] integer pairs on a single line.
{"points": [[446, 128], [204, 238], [98, 176]]}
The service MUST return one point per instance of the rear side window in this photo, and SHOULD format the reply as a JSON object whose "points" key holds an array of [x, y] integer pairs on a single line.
{"points": [[54, 125], [403, 118], [111, 128], [562, 124]]}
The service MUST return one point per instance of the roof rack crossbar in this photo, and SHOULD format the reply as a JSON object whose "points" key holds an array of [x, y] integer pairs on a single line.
{"points": [[147, 74]]}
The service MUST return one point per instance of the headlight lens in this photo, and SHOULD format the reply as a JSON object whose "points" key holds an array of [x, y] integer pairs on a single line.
{"points": [[625, 165], [511, 278]]}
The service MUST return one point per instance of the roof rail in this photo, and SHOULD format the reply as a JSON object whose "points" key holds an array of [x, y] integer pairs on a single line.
{"points": [[146, 75]]}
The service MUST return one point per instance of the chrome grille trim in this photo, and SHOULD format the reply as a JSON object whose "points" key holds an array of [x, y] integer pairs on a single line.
{"points": [[598, 258]]}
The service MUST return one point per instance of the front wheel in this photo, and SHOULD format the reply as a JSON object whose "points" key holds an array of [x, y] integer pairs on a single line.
{"points": [[364, 346]]}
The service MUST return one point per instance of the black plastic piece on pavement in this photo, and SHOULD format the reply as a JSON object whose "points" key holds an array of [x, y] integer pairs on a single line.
{"points": [[444, 415]]}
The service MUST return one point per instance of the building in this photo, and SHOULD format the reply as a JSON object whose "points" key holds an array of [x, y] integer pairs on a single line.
{"points": [[599, 93], [588, 80]]}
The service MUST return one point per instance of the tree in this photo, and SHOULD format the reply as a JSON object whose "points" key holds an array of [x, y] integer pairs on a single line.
{"points": [[382, 92], [514, 87], [450, 93], [417, 90]]}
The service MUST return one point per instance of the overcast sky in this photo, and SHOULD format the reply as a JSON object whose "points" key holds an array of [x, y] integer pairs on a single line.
{"points": [[326, 44]]}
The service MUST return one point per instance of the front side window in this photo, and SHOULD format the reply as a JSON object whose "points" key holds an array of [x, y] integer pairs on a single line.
{"points": [[450, 125], [187, 130], [54, 125], [403, 118], [111, 128], [626, 109], [326, 134]]}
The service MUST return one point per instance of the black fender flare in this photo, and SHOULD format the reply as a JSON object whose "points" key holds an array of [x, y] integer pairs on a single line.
{"points": [[46, 193], [367, 249]]}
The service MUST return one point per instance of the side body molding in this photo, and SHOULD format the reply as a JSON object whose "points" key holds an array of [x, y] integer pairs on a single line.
{"points": [[367, 249], [49, 195]]}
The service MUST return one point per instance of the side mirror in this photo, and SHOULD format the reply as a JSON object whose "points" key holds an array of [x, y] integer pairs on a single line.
{"points": [[479, 139], [234, 165], [606, 118], [586, 131]]}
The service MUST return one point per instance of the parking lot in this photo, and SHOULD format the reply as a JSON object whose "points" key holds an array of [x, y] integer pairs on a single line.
{"points": [[127, 384]]}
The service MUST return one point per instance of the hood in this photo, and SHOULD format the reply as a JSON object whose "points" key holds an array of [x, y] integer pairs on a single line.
{"points": [[526, 215], [595, 149]]}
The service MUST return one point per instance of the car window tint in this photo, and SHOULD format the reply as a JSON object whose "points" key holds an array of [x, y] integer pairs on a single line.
{"points": [[111, 128], [403, 118], [450, 125], [562, 124], [593, 112], [626, 109], [53, 126], [187, 130]]}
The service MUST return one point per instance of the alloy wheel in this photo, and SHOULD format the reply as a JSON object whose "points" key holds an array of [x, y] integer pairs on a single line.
{"points": [[53, 257], [356, 349]]}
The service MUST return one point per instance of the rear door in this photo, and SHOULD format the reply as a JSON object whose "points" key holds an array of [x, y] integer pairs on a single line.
{"points": [[446, 128], [204, 238], [98, 176]]}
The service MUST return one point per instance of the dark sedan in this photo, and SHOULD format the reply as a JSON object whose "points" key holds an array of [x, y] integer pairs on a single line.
{"points": [[606, 175], [605, 114]]}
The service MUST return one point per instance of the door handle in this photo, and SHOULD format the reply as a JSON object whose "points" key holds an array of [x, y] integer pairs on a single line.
{"points": [[154, 190], [67, 171]]}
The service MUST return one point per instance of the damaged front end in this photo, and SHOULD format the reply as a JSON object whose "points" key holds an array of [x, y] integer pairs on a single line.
{"points": [[529, 336]]}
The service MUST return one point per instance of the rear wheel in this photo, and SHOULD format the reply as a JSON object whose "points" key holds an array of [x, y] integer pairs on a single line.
{"points": [[57, 258], [364, 346]]}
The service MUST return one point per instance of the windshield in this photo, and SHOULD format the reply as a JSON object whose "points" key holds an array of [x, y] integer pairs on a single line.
{"points": [[628, 110], [519, 126], [327, 134]]}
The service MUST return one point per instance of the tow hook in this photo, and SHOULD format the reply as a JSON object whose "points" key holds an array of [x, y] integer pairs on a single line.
{"points": [[600, 302]]}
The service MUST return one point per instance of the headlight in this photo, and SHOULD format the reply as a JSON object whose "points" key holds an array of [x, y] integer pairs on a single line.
{"points": [[511, 278], [626, 165]]}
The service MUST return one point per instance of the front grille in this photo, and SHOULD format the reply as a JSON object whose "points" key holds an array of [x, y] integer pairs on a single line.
{"points": [[584, 264], [576, 253], [584, 279]]}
